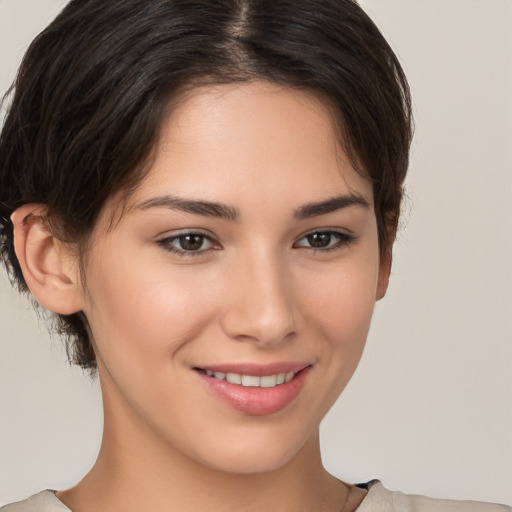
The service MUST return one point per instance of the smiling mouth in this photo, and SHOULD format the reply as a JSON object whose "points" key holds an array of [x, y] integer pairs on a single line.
{"points": [[251, 381], [254, 389]]}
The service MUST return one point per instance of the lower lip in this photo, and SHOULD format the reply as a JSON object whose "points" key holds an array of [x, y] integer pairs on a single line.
{"points": [[257, 401]]}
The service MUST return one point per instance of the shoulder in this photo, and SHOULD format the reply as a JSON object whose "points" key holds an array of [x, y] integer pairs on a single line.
{"points": [[380, 499], [45, 501]]}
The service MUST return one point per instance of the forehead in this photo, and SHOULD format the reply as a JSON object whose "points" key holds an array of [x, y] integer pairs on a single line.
{"points": [[232, 142]]}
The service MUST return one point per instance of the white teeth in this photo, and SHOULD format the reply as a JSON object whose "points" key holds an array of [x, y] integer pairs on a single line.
{"points": [[234, 378], [251, 381], [267, 381]]}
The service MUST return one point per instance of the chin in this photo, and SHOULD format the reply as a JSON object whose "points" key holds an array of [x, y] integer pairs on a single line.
{"points": [[255, 454], [248, 464]]}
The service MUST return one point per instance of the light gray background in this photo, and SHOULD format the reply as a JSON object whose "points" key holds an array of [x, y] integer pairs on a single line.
{"points": [[430, 408]]}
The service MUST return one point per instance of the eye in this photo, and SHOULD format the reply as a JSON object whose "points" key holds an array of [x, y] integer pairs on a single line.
{"points": [[325, 240], [188, 244]]}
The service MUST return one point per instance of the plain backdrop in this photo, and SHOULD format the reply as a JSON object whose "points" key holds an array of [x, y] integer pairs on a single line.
{"points": [[430, 408]]}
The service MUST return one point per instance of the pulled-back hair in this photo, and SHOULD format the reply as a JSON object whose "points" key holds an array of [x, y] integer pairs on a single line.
{"points": [[92, 89]]}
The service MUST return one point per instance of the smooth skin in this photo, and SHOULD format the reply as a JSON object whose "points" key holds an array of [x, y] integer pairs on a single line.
{"points": [[284, 266]]}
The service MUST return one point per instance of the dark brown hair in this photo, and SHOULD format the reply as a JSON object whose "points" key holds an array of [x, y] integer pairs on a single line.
{"points": [[90, 94]]}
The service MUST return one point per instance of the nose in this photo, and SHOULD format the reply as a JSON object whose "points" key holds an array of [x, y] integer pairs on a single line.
{"points": [[260, 302]]}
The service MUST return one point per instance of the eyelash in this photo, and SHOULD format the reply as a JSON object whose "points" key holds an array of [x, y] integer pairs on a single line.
{"points": [[342, 239], [167, 244]]}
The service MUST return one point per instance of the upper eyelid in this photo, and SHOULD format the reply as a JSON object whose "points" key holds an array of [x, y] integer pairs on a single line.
{"points": [[341, 231], [166, 235]]}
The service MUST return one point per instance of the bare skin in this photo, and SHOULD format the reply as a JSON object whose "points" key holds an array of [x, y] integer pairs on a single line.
{"points": [[286, 274], [292, 488]]}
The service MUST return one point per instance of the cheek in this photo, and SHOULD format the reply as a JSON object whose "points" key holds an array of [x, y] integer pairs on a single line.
{"points": [[146, 315], [341, 301], [340, 306]]}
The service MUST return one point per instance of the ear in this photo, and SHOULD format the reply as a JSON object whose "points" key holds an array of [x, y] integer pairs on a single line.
{"points": [[384, 273], [386, 256], [49, 268]]}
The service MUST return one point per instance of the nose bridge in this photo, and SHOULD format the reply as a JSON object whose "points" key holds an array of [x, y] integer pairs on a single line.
{"points": [[261, 307]]}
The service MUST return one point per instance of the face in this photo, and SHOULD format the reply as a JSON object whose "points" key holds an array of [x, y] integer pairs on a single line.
{"points": [[230, 304]]}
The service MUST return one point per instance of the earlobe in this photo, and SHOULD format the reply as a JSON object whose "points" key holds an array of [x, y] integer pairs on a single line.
{"points": [[49, 269]]}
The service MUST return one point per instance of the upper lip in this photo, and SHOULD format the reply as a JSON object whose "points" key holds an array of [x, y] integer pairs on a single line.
{"points": [[257, 370]]}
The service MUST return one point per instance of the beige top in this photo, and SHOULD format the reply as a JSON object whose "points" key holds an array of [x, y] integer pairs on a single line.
{"points": [[378, 499]]}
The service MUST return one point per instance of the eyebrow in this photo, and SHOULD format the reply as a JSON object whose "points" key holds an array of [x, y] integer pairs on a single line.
{"points": [[330, 205], [219, 210], [205, 208]]}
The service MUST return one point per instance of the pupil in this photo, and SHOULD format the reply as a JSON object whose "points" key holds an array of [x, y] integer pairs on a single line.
{"points": [[319, 239], [191, 242]]}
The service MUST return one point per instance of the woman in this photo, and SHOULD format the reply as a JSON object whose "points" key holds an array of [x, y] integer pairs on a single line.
{"points": [[206, 195]]}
